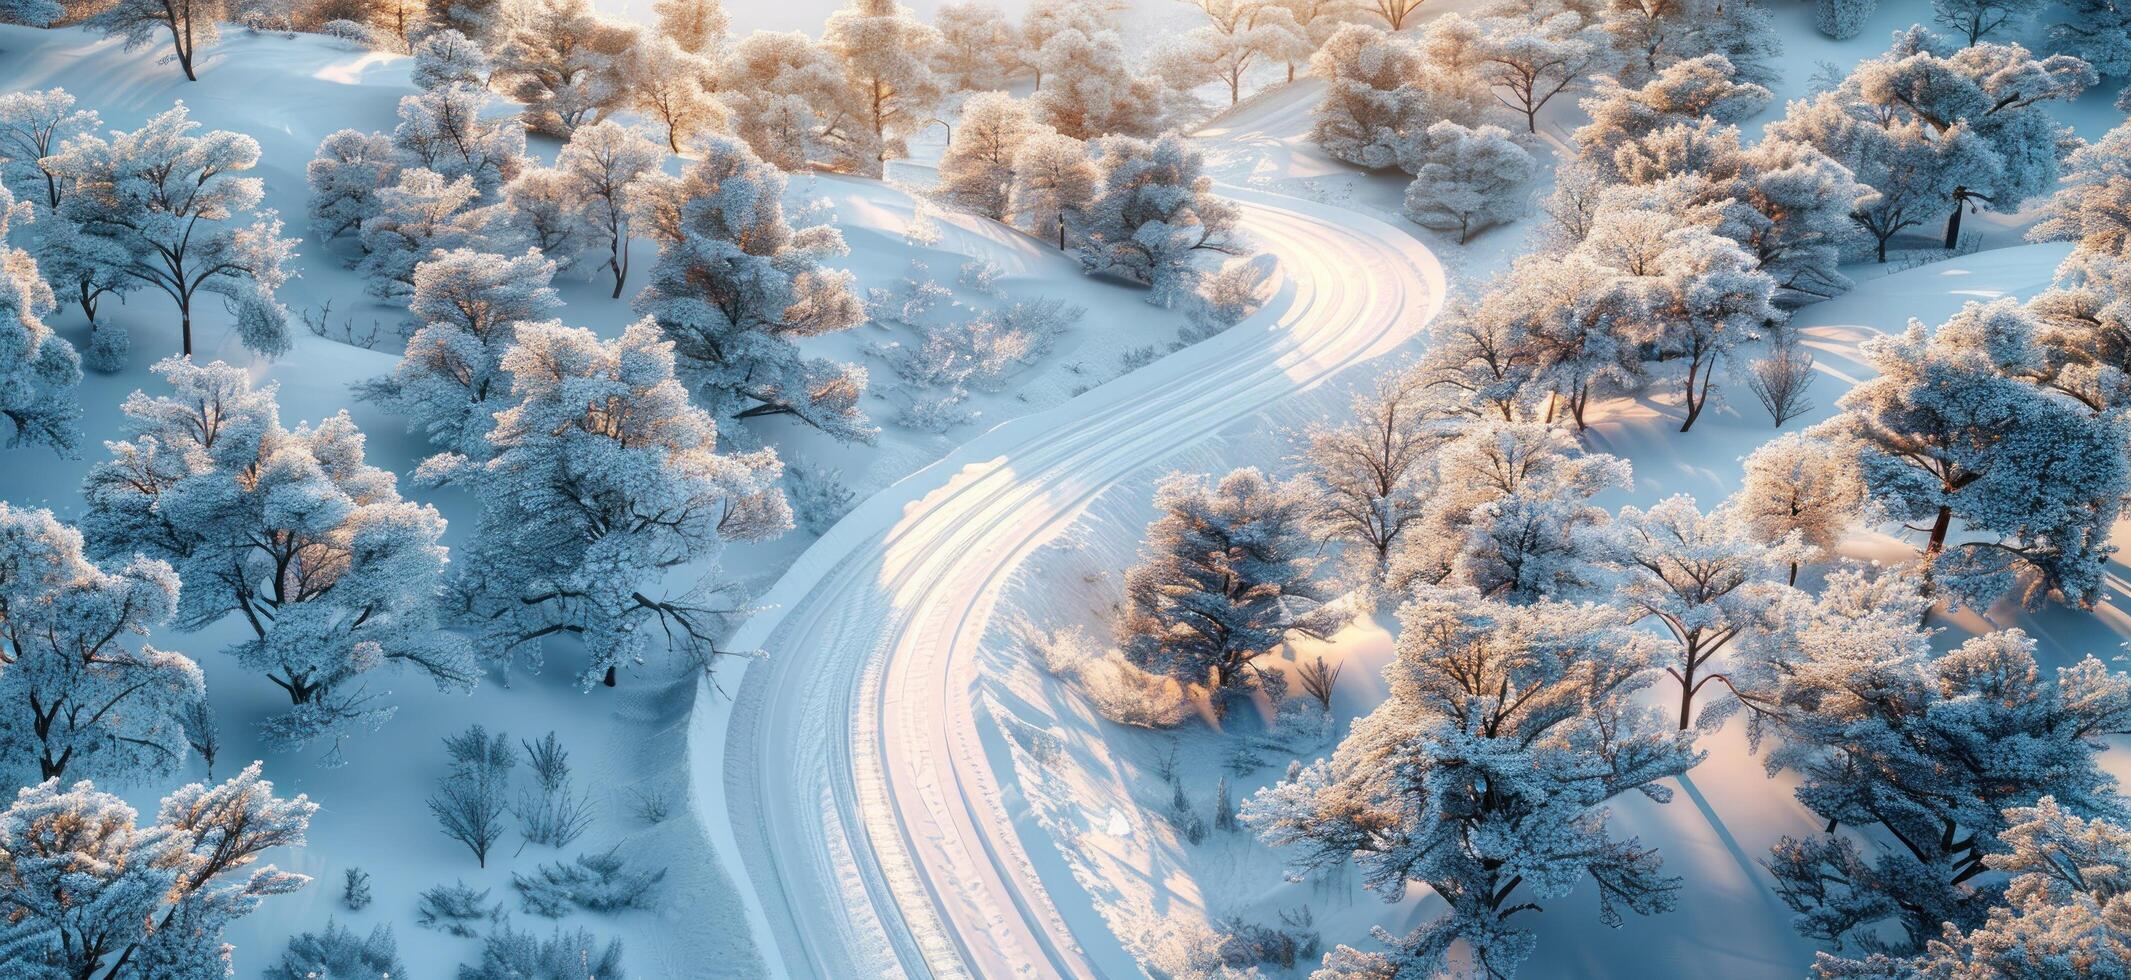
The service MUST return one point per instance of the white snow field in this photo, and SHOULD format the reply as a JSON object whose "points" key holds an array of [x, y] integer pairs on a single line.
{"points": [[860, 782]]}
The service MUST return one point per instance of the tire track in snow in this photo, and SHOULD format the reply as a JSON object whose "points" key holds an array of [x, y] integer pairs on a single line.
{"points": [[864, 808]]}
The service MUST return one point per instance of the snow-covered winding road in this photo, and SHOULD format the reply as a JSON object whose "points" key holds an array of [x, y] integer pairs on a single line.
{"points": [[865, 812]]}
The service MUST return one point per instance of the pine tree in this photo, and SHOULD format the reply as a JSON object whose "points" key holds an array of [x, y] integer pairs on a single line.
{"points": [[1225, 576], [89, 889], [1497, 804], [604, 479], [289, 530], [976, 171], [450, 383], [78, 698], [736, 283], [1153, 211], [168, 199]]}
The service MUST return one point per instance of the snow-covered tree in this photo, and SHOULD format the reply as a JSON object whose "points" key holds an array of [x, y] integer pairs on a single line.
{"points": [[2092, 204], [90, 891], [480, 20], [1705, 296], [1468, 180], [443, 130], [736, 283], [289, 530], [1053, 178], [1088, 88], [1043, 20], [1317, 20], [1496, 803], [1704, 577], [1920, 752], [979, 48], [1531, 54], [187, 24], [1153, 210], [33, 13], [976, 171], [887, 55], [1683, 92], [1843, 19], [1372, 475], [1239, 34], [563, 61], [1797, 484], [168, 200], [1943, 434], [2097, 32], [1974, 20], [1510, 514], [605, 160], [345, 178], [2083, 331], [791, 102], [1927, 127], [450, 383], [1383, 91], [417, 216], [543, 209], [674, 88], [696, 26], [78, 697], [1226, 575], [1483, 358], [604, 478], [2066, 912], [445, 58], [38, 380], [35, 126]]}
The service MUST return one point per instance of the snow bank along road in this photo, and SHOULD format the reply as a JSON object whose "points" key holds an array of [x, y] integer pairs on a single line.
{"points": [[865, 814]]}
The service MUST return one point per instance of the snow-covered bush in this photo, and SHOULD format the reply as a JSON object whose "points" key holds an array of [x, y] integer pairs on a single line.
{"points": [[737, 282], [469, 801], [601, 882], [1230, 296], [1153, 212], [355, 889], [208, 479], [1468, 179], [1843, 19], [556, 814], [339, 954], [78, 698], [936, 412], [455, 908], [590, 501], [819, 496], [1118, 689], [170, 202], [358, 35], [985, 350], [981, 275], [507, 954], [89, 888]]}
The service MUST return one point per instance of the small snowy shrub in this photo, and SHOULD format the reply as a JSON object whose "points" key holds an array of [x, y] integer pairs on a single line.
{"points": [[109, 343], [1229, 296], [985, 350], [1842, 19], [1182, 946], [454, 908], [1116, 688], [818, 496], [595, 882], [556, 813], [469, 804], [508, 954], [339, 954], [1185, 818], [355, 889], [936, 413], [981, 275], [356, 34], [651, 806]]}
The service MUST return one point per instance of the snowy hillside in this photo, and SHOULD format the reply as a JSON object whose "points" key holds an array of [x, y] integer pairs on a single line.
{"points": [[1333, 488]]}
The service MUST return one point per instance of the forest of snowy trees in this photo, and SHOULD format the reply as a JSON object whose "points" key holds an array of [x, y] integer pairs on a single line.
{"points": [[1553, 650]]}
